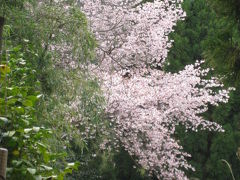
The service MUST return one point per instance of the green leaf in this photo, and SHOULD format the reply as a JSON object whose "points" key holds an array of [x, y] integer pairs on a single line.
{"points": [[31, 171], [142, 171], [39, 177], [25, 121], [42, 145], [46, 156], [27, 103], [19, 110], [36, 129], [2, 101], [39, 96], [22, 62], [71, 164], [47, 168], [17, 48], [13, 90], [26, 40], [3, 119], [9, 133], [32, 98], [4, 69], [27, 130], [11, 101], [67, 171], [17, 163]]}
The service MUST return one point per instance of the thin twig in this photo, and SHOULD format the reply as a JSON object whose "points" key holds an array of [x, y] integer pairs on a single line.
{"points": [[223, 160]]}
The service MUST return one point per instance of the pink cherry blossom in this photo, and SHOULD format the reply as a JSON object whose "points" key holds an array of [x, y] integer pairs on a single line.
{"points": [[146, 104]]}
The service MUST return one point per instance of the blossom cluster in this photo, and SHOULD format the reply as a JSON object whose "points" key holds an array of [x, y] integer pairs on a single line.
{"points": [[146, 104], [131, 34]]}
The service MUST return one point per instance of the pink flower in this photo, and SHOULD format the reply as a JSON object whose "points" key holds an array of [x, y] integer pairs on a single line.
{"points": [[147, 104]]}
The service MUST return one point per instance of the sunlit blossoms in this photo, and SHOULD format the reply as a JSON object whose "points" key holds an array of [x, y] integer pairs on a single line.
{"points": [[145, 103]]}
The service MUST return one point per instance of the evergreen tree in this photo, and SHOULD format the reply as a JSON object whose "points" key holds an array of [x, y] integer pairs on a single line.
{"points": [[189, 35], [222, 47], [213, 36]]}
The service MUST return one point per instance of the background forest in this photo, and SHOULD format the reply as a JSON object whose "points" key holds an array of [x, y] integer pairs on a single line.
{"points": [[52, 118]]}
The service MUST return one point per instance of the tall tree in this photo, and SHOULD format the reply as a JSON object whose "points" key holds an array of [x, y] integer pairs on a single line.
{"points": [[53, 42], [208, 35], [146, 104], [222, 46], [188, 35]]}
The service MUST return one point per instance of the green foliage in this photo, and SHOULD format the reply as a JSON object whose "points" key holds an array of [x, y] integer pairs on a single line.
{"points": [[222, 45], [222, 53], [29, 156], [7, 5], [189, 35], [214, 37], [35, 73], [230, 8], [72, 103]]}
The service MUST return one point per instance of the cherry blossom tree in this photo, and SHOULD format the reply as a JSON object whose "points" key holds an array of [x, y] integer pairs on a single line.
{"points": [[131, 34], [145, 103]]}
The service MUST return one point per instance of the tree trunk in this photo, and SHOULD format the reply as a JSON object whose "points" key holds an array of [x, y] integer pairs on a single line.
{"points": [[1, 35]]}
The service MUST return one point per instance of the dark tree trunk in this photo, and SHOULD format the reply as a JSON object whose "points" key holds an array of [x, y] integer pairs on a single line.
{"points": [[1, 35]]}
